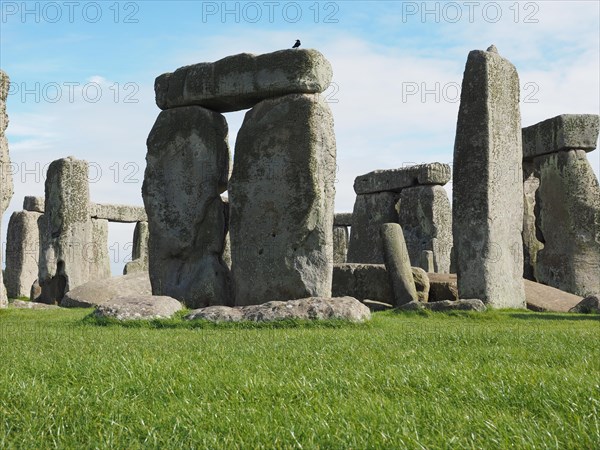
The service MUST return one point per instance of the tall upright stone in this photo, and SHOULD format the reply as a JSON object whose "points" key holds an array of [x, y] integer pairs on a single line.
{"points": [[281, 201], [6, 182], [488, 190], [340, 244], [139, 251], [69, 241], [187, 169], [22, 253]]}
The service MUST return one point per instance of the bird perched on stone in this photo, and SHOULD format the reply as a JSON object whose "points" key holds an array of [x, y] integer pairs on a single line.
{"points": [[492, 48], [297, 44]]}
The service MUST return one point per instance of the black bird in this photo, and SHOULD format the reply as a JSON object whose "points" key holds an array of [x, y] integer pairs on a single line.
{"points": [[297, 44]]}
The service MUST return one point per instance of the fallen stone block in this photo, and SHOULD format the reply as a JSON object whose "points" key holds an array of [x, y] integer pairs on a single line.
{"points": [[588, 305], [20, 304], [139, 308], [446, 305]]}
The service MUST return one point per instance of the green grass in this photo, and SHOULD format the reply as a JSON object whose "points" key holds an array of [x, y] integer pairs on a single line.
{"points": [[493, 380]]}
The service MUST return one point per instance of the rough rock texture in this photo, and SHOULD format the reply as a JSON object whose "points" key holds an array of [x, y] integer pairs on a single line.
{"points": [[227, 246], [568, 223], [97, 252], [35, 291], [34, 204], [118, 213], [487, 186], [71, 245], [588, 305], [281, 201], [187, 168], [422, 284], [531, 244], [342, 219], [546, 298], [564, 132], [20, 304], [442, 286], [241, 81], [426, 219], [139, 307], [397, 264], [312, 308], [340, 244], [426, 261], [472, 304], [394, 180], [22, 253], [100, 292], [139, 252], [370, 212], [6, 181]]}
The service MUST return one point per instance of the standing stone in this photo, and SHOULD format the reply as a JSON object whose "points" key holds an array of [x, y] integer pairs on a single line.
{"points": [[370, 212], [397, 263], [22, 253], [426, 219], [488, 190], [69, 240], [340, 244], [6, 181], [281, 199], [568, 219], [34, 204], [531, 244], [97, 253], [427, 261], [227, 248], [139, 252], [187, 168]]}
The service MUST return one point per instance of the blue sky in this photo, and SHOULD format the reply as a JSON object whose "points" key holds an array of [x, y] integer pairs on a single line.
{"points": [[83, 75]]}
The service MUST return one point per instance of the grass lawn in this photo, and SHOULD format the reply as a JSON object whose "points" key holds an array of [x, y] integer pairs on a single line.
{"points": [[492, 380]]}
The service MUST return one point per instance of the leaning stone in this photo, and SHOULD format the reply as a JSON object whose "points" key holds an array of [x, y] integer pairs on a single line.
{"points": [[312, 308], [397, 263], [22, 253], [568, 223], [394, 180], [187, 168], [487, 187], [421, 284], [118, 213], [242, 81], [425, 216], [544, 298], [564, 132], [281, 201], [20, 304], [100, 292], [144, 307], [588, 305], [33, 204], [370, 212], [340, 244], [342, 219]]}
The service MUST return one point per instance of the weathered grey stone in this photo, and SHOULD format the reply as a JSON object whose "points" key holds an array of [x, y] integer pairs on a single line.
{"points": [[187, 168], [139, 308], [241, 81], [100, 292], [531, 244], [442, 286], [118, 213], [564, 132], [139, 252], [312, 308], [397, 263], [281, 199], [370, 212], [426, 261], [20, 304], [488, 189], [340, 244], [22, 253], [342, 219], [227, 246], [426, 220], [546, 298], [422, 284], [71, 245], [35, 292], [394, 180], [568, 223], [473, 304], [588, 305], [34, 204], [6, 181]]}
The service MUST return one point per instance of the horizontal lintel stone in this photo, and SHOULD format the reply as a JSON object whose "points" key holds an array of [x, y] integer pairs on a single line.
{"points": [[394, 180], [118, 213]]}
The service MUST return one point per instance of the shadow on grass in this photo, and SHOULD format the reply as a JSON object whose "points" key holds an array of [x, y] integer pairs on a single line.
{"points": [[177, 322], [555, 316]]}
